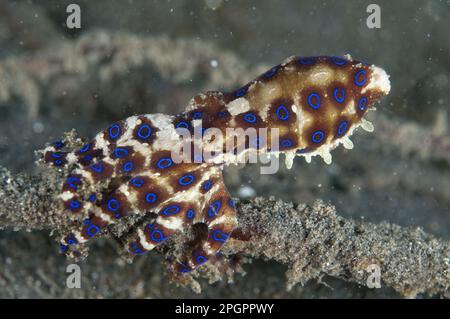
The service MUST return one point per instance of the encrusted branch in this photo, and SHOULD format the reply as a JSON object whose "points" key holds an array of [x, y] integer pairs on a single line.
{"points": [[312, 241]]}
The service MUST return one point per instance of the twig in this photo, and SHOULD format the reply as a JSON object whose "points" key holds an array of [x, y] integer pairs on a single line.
{"points": [[312, 241]]}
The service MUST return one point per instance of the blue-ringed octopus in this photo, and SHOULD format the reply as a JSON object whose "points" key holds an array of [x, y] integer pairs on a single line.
{"points": [[316, 103]]}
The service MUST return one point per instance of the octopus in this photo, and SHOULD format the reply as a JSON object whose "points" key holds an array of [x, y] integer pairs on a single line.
{"points": [[305, 106]]}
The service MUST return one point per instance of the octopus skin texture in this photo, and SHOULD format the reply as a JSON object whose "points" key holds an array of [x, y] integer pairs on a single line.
{"points": [[315, 103]]}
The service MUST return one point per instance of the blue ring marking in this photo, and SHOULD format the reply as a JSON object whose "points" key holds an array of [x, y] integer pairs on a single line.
{"points": [[171, 210], [114, 131], [339, 95], [197, 115], [287, 142], [73, 182], [241, 92], [87, 221], [58, 144], [182, 124], [214, 208], [316, 105], [282, 112], [157, 235], [85, 148], [92, 198], [186, 180], [127, 167], [338, 61], [71, 240], [359, 82], [302, 151], [137, 181], [306, 61], [231, 203], [56, 155], [318, 136], [92, 230], [58, 162], [74, 204], [362, 104], [134, 249], [200, 259], [207, 185], [220, 236], [97, 167], [63, 248], [150, 197], [164, 162], [190, 214], [250, 118], [120, 152], [147, 131], [271, 72], [113, 205], [343, 127]]}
